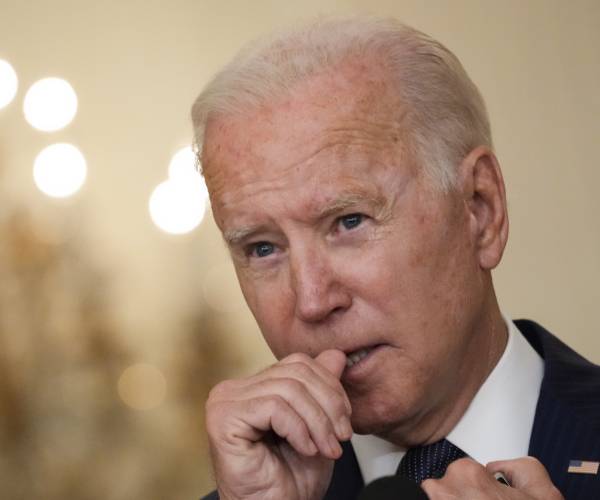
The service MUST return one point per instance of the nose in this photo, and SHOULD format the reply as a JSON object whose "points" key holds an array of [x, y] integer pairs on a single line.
{"points": [[318, 290]]}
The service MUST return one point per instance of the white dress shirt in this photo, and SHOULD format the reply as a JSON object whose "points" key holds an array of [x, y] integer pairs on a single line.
{"points": [[497, 424]]}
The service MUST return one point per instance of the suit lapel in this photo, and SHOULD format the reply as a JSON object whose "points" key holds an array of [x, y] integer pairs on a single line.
{"points": [[567, 419], [346, 481]]}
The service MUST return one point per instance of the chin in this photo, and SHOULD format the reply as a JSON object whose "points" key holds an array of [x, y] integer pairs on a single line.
{"points": [[373, 426], [377, 418]]}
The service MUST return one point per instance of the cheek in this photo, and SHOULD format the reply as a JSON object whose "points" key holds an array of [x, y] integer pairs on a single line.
{"points": [[419, 274], [272, 306], [396, 270]]}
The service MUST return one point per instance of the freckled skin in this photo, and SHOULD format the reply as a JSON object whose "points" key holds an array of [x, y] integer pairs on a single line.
{"points": [[409, 276]]}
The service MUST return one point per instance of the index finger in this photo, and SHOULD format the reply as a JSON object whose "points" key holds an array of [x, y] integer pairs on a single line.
{"points": [[329, 365], [333, 360]]}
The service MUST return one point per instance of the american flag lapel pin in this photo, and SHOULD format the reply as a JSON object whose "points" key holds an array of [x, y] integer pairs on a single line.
{"points": [[583, 467]]}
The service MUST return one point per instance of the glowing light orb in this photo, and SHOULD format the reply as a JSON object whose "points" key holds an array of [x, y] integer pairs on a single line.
{"points": [[59, 170], [178, 205], [8, 83], [183, 164], [50, 104], [142, 386]]}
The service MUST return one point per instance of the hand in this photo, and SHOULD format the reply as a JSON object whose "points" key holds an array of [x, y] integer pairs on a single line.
{"points": [[276, 434], [466, 479]]}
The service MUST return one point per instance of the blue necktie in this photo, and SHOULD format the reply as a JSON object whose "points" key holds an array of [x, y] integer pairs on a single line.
{"points": [[429, 461]]}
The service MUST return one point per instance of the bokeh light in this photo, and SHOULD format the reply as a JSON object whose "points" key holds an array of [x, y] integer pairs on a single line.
{"points": [[59, 170], [142, 386], [183, 164], [178, 205], [8, 83], [50, 104]]}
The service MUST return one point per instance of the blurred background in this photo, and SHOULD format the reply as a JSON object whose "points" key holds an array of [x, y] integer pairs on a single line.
{"points": [[119, 307]]}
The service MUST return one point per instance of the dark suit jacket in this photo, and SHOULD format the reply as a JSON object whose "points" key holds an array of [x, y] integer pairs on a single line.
{"points": [[566, 425]]}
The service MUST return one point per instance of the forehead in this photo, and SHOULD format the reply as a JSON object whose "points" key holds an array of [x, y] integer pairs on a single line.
{"points": [[351, 117]]}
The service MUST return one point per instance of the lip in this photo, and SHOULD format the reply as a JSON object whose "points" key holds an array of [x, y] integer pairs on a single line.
{"points": [[359, 348], [362, 368]]}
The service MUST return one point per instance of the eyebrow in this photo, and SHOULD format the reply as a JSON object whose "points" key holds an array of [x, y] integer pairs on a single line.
{"points": [[234, 237], [339, 204], [349, 200]]}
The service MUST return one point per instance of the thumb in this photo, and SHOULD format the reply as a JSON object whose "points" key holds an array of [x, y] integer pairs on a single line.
{"points": [[333, 360], [528, 475]]}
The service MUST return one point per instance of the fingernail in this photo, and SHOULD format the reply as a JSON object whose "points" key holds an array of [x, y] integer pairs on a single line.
{"points": [[336, 449]]}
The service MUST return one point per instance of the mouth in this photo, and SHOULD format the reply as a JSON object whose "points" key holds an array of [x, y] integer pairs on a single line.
{"points": [[355, 357]]}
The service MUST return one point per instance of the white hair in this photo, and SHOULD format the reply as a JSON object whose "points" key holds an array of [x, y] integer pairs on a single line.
{"points": [[445, 113]]}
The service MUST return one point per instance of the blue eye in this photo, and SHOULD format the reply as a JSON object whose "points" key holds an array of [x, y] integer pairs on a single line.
{"points": [[351, 221], [263, 249]]}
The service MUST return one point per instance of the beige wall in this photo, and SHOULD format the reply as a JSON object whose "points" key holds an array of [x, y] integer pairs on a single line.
{"points": [[137, 66]]}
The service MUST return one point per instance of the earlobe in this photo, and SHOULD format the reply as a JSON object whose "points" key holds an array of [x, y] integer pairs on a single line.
{"points": [[485, 196]]}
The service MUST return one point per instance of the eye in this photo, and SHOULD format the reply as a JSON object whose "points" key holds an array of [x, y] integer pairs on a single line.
{"points": [[261, 249], [351, 221]]}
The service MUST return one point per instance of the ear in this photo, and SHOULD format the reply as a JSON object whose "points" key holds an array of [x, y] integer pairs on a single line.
{"points": [[485, 199]]}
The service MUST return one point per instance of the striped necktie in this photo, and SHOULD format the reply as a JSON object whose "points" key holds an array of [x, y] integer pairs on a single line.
{"points": [[429, 461]]}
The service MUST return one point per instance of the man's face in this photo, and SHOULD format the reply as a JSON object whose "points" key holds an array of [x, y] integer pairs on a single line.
{"points": [[340, 242]]}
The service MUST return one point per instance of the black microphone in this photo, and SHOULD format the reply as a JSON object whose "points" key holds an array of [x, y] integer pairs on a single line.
{"points": [[392, 488]]}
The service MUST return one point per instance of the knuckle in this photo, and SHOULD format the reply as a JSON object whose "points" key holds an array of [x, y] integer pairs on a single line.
{"points": [[321, 418], [275, 403], [292, 386], [297, 357], [433, 487], [279, 410], [533, 465], [214, 414], [457, 465], [222, 388], [531, 462], [466, 467], [299, 369]]}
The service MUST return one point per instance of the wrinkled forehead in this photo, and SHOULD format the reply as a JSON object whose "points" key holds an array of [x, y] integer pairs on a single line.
{"points": [[341, 110], [355, 89]]}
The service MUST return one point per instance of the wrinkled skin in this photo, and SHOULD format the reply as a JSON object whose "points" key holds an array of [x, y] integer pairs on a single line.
{"points": [[466, 479], [340, 243]]}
